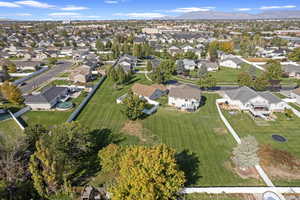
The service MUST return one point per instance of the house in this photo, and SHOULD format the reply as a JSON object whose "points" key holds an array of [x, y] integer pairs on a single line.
{"points": [[81, 74], [27, 65], [259, 104], [210, 66], [47, 98], [185, 97], [127, 62], [231, 62], [292, 70], [151, 92], [295, 94], [173, 50], [187, 64]]}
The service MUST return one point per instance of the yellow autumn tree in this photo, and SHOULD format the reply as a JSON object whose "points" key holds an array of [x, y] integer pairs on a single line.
{"points": [[148, 173]]}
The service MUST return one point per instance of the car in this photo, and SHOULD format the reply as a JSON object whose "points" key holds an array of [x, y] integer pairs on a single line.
{"points": [[22, 84]]}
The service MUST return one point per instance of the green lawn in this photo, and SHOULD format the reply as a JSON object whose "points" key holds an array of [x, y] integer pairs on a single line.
{"points": [[201, 133], [227, 75], [290, 129], [9, 132]]}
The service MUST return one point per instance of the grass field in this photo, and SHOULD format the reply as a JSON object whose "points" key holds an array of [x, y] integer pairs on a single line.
{"points": [[290, 129], [201, 133], [9, 132]]}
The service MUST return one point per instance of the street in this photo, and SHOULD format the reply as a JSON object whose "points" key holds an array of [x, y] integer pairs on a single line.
{"points": [[44, 77]]}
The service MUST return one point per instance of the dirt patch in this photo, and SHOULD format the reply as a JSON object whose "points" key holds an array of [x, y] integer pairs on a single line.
{"points": [[135, 128], [261, 123], [221, 131], [281, 173], [243, 173]]}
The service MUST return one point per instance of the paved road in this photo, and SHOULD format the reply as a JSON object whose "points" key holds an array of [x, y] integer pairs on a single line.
{"points": [[44, 77]]}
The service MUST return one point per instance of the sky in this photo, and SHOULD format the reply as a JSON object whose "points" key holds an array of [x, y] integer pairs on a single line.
{"points": [[130, 9]]}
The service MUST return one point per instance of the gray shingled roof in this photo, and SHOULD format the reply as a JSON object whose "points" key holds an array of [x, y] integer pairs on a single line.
{"points": [[185, 92], [244, 94], [46, 96], [236, 60]]}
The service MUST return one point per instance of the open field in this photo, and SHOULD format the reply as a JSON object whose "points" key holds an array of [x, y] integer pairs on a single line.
{"points": [[201, 134], [263, 132]]}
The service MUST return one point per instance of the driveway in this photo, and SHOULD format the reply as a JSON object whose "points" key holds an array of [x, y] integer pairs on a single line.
{"points": [[35, 82]]}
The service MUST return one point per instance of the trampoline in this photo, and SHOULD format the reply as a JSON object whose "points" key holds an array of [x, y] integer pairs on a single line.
{"points": [[279, 138], [64, 106], [270, 196]]}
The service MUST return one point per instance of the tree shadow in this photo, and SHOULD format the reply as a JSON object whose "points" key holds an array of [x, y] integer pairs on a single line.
{"points": [[189, 163], [203, 101], [90, 162]]}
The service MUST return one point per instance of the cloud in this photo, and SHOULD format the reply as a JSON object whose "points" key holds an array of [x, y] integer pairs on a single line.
{"points": [[141, 15], [23, 14], [8, 4], [111, 2], [276, 7], [35, 4], [72, 8], [244, 9], [64, 14], [191, 9]]}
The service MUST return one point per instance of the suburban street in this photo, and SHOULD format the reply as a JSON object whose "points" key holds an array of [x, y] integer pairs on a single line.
{"points": [[44, 77]]}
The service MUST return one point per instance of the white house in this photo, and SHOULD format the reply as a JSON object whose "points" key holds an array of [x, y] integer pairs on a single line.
{"points": [[188, 64], [231, 62], [185, 97], [260, 104]]}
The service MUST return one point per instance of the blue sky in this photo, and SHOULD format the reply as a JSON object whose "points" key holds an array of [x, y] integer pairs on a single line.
{"points": [[133, 9]]}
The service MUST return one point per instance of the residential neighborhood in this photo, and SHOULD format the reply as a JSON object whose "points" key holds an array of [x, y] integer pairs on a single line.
{"points": [[171, 104]]}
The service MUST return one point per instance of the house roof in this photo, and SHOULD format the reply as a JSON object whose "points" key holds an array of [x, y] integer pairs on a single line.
{"points": [[244, 94], [143, 90], [236, 60], [46, 96], [185, 92], [296, 91], [291, 68]]}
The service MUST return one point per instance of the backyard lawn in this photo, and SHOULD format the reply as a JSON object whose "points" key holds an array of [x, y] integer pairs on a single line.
{"points": [[201, 133], [9, 132], [263, 131]]}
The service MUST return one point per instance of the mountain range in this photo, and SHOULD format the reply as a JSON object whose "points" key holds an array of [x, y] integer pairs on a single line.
{"points": [[278, 14]]}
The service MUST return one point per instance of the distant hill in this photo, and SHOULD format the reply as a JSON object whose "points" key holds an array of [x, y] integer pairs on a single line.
{"points": [[278, 14]]}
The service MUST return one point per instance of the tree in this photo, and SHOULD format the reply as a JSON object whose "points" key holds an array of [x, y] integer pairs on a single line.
{"points": [[148, 173], [245, 153], [213, 52], [207, 81], [202, 71], [137, 50], [133, 106], [180, 67], [244, 79], [58, 157], [164, 71], [274, 70], [118, 75], [149, 66], [33, 133], [4, 73], [12, 93], [295, 55], [261, 83], [100, 45], [11, 67]]}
